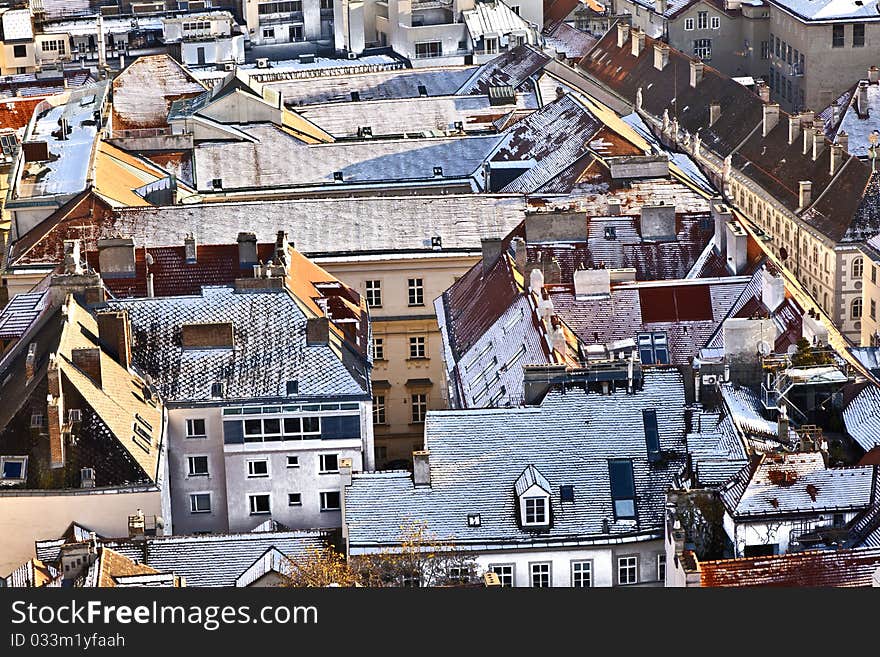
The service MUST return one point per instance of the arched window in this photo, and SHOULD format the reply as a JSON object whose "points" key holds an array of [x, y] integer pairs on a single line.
{"points": [[858, 267], [855, 311]]}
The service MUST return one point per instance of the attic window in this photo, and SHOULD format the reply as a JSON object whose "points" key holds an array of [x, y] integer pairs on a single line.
{"points": [[623, 490], [13, 469], [293, 388], [533, 491], [566, 493], [652, 434], [423, 90], [217, 389], [355, 96], [337, 176], [474, 520], [535, 511], [217, 183], [611, 233], [438, 171]]}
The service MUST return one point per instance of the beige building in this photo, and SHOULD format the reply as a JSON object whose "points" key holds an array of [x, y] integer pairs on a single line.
{"points": [[869, 263], [19, 51]]}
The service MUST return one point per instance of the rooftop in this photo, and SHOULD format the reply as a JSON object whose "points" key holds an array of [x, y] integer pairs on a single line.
{"points": [[830, 10], [513, 68], [862, 417]]}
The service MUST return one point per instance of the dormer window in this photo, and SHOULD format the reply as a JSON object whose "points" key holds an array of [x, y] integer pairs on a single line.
{"points": [[533, 494]]}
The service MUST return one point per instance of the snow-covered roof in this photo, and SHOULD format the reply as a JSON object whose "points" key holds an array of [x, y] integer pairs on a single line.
{"points": [[859, 126], [825, 10], [862, 417], [493, 19], [17, 25]]}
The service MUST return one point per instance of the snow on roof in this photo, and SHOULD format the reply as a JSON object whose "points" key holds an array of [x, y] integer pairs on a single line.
{"points": [[17, 24], [493, 19], [862, 417], [20, 313], [746, 411], [860, 126], [88, 25], [823, 10]]}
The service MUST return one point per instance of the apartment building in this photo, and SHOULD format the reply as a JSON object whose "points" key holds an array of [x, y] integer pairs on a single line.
{"points": [[869, 263], [291, 21]]}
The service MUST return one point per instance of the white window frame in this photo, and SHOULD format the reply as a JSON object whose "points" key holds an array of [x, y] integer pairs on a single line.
{"points": [[190, 424], [688, 24], [268, 32], [189, 466], [378, 348], [23, 460], [295, 462], [415, 292], [544, 510], [582, 567], [252, 497], [627, 563], [380, 414], [192, 499], [533, 566], [418, 347], [494, 567], [715, 21], [300, 503], [703, 20], [323, 499], [322, 467], [421, 405], [373, 290], [250, 469], [428, 55]]}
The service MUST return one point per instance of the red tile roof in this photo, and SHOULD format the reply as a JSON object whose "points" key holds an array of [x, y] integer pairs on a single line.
{"points": [[840, 568], [15, 113]]}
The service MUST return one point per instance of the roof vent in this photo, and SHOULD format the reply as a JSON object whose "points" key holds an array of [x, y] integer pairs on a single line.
{"points": [[436, 242], [365, 132], [423, 90], [355, 96], [474, 520], [502, 94], [438, 171], [337, 176], [262, 62]]}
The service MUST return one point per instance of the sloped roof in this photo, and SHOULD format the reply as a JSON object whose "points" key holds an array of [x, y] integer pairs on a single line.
{"points": [[487, 450], [111, 565], [570, 41], [493, 19], [119, 174], [19, 314], [862, 417], [16, 113], [513, 68]]}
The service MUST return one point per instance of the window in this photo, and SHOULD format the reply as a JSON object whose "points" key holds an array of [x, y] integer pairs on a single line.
{"points": [[858, 35], [661, 567], [330, 501], [292, 388], [459, 574], [515, 9], [535, 511], [419, 407], [688, 24], [582, 574], [627, 570], [379, 409], [623, 492], [858, 268], [19, 51], [258, 468], [200, 503], [540, 575], [873, 274], [416, 292], [702, 20], [652, 434], [198, 466], [13, 469], [329, 463], [292, 461], [195, 428], [765, 50], [474, 520], [429, 49], [504, 572], [490, 45], [268, 32], [777, 48], [374, 294], [566, 493], [837, 36], [703, 48], [873, 310], [653, 348], [378, 348], [326, 4], [296, 33], [856, 309], [294, 499], [259, 504], [417, 346], [716, 23]]}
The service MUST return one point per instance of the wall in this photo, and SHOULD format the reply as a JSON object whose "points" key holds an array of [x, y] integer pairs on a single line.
{"points": [[871, 292], [653, 24], [230, 49], [33, 516], [763, 532]]}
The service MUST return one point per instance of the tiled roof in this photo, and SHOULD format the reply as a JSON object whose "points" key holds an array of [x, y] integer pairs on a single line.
{"points": [[513, 68], [217, 560], [488, 450], [269, 348], [746, 410], [570, 41], [31, 574], [824, 10], [862, 417], [829, 568], [20, 313], [30, 84], [799, 483], [717, 455], [110, 565], [143, 92], [493, 19], [15, 113]]}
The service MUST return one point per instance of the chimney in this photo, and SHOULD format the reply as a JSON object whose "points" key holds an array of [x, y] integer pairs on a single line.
{"points": [[873, 75], [281, 243], [207, 335], [189, 249], [114, 332], [837, 155], [557, 337], [818, 142], [421, 468], [714, 113], [536, 281], [491, 252], [520, 254], [317, 331], [807, 118], [622, 34], [657, 222], [737, 248], [57, 451], [52, 377], [30, 363], [72, 260], [247, 249], [794, 128], [862, 99], [88, 361], [660, 6], [696, 72], [782, 425], [808, 137], [116, 257], [843, 140], [805, 193], [638, 42], [612, 206], [763, 92], [771, 118], [592, 282], [721, 215], [661, 55], [772, 290]]}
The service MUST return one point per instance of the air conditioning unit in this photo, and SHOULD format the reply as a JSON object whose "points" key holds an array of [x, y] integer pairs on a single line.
{"points": [[710, 379], [262, 62], [352, 55], [87, 478], [229, 67]]}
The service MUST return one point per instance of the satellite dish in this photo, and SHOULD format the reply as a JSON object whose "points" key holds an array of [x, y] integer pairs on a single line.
{"points": [[764, 348]]}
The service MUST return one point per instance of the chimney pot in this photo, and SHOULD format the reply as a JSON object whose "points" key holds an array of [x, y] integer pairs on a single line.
{"points": [[696, 72], [622, 34], [818, 142], [794, 128], [421, 468], [805, 192], [808, 137], [862, 99], [873, 75], [843, 140], [837, 157], [661, 55], [638, 42], [763, 92], [771, 118]]}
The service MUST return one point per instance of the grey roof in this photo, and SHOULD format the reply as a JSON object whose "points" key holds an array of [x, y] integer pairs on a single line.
{"points": [[824, 10], [476, 457], [862, 417], [277, 159], [216, 560], [531, 477], [20, 313], [269, 348], [859, 127], [358, 225], [513, 68], [717, 455]]}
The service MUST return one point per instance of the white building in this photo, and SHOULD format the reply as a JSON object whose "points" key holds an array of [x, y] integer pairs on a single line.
{"points": [[209, 38]]}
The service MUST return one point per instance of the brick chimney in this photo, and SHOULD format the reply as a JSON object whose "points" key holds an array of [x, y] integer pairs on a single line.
{"points": [[862, 99], [57, 451], [622, 34], [491, 247], [638, 42], [247, 249], [30, 363], [843, 140], [114, 332], [661, 55], [794, 128], [116, 257], [873, 75], [714, 112], [88, 361], [189, 249], [837, 157], [696, 72], [771, 118], [317, 331], [818, 142], [805, 193], [421, 468]]}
